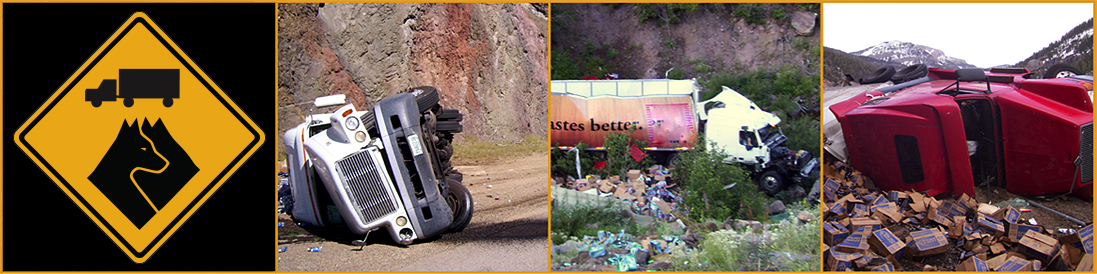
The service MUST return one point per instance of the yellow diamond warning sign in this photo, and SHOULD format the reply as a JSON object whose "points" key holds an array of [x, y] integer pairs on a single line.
{"points": [[139, 137]]}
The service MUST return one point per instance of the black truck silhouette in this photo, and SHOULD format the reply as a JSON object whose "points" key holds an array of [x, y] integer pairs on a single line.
{"points": [[136, 83]]}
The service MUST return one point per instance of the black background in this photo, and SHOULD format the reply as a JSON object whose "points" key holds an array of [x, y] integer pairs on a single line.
{"points": [[44, 44]]}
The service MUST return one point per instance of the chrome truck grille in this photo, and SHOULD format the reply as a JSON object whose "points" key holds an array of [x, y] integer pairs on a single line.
{"points": [[365, 187], [1086, 152]]}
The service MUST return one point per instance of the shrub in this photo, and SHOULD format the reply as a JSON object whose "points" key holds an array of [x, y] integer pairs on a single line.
{"points": [[702, 175]]}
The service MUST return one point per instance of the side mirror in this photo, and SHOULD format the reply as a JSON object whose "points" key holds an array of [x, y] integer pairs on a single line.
{"points": [[330, 100]]}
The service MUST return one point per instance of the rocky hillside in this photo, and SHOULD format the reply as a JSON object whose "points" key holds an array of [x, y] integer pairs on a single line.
{"points": [[644, 41], [837, 64], [487, 60], [907, 53], [1075, 48]]}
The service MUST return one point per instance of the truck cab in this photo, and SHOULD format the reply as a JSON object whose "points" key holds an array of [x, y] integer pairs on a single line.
{"points": [[374, 170], [953, 129]]}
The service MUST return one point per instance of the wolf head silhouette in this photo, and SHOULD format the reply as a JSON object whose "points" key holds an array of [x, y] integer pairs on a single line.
{"points": [[143, 169]]}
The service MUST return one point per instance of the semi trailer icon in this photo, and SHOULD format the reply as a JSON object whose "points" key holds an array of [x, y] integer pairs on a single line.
{"points": [[136, 83]]}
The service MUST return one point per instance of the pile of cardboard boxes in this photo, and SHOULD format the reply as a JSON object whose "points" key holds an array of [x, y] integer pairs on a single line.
{"points": [[873, 230], [648, 191]]}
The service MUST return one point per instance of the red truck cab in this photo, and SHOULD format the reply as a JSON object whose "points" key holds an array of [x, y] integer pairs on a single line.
{"points": [[953, 129]]}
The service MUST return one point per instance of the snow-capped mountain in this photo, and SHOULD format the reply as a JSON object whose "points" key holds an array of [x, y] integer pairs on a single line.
{"points": [[907, 53], [1075, 48]]}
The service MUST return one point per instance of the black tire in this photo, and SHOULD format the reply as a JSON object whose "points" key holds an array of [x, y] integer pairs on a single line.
{"points": [[771, 182], [910, 73], [426, 97], [879, 76], [450, 115], [450, 126], [128, 102], [1060, 71], [460, 201], [96, 103], [168, 102]]}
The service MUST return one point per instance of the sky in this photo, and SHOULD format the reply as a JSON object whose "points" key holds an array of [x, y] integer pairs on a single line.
{"points": [[979, 33]]}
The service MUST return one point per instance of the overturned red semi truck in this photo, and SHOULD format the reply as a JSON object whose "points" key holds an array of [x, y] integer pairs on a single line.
{"points": [[947, 131]]}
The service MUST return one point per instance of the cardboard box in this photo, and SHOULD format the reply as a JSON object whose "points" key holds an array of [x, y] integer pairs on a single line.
{"points": [[838, 208], [606, 187], [888, 213], [925, 243], [615, 179], [957, 229], [854, 243], [860, 210], [884, 267], [857, 223], [833, 233], [967, 203], [1061, 262], [633, 175], [1035, 245], [838, 260], [1079, 242], [989, 225], [1016, 231], [1007, 214], [1085, 264], [885, 243], [972, 264], [941, 215], [1015, 264], [830, 190], [997, 261]]}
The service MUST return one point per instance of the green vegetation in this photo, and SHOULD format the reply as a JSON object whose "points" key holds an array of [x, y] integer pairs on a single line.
{"points": [[752, 13], [702, 176], [784, 246], [667, 13], [618, 159], [586, 220], [676, 74], [478, 151]]}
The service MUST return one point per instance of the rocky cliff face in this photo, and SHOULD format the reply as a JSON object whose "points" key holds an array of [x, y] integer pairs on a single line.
{"points": [[487, 60], [907, 53]]}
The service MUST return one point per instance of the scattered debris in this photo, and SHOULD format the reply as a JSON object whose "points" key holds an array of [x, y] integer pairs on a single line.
{"points": [[871, 230], [647, 192]]}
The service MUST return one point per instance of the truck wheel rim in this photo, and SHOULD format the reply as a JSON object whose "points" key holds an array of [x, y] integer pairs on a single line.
{"points": [[770, 182], [1064, 73]]}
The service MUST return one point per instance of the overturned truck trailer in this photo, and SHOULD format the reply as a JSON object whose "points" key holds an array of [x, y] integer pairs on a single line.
{"points": [[952, 129], [668, 115]]}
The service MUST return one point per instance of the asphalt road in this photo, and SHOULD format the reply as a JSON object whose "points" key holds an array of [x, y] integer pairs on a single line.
{"points": [[508, 234]]}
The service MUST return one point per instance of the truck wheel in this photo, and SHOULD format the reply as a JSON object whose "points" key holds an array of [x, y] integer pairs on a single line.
{"points": [[128, 102], [425, 96], [168, 102], [910, 73], [879, 76], [450, 126], [450, 115], [771, 182], [96, 103], [460, 201], [1060, 71]]}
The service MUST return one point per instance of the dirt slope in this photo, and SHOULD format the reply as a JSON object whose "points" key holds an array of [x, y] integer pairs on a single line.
{"points": [[488, 60]]}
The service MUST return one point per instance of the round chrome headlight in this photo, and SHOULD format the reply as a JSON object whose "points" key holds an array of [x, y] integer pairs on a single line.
{"points": [[401, 221], [360, 136], [352, 123]]}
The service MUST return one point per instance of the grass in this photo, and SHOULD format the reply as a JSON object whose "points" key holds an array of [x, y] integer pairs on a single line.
{"points": [[586, 220], [744, 250], [481, 151]]}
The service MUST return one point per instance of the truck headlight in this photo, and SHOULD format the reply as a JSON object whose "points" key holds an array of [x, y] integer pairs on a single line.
{"points": [[352, 123], [360, 136], [401, 221]]}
